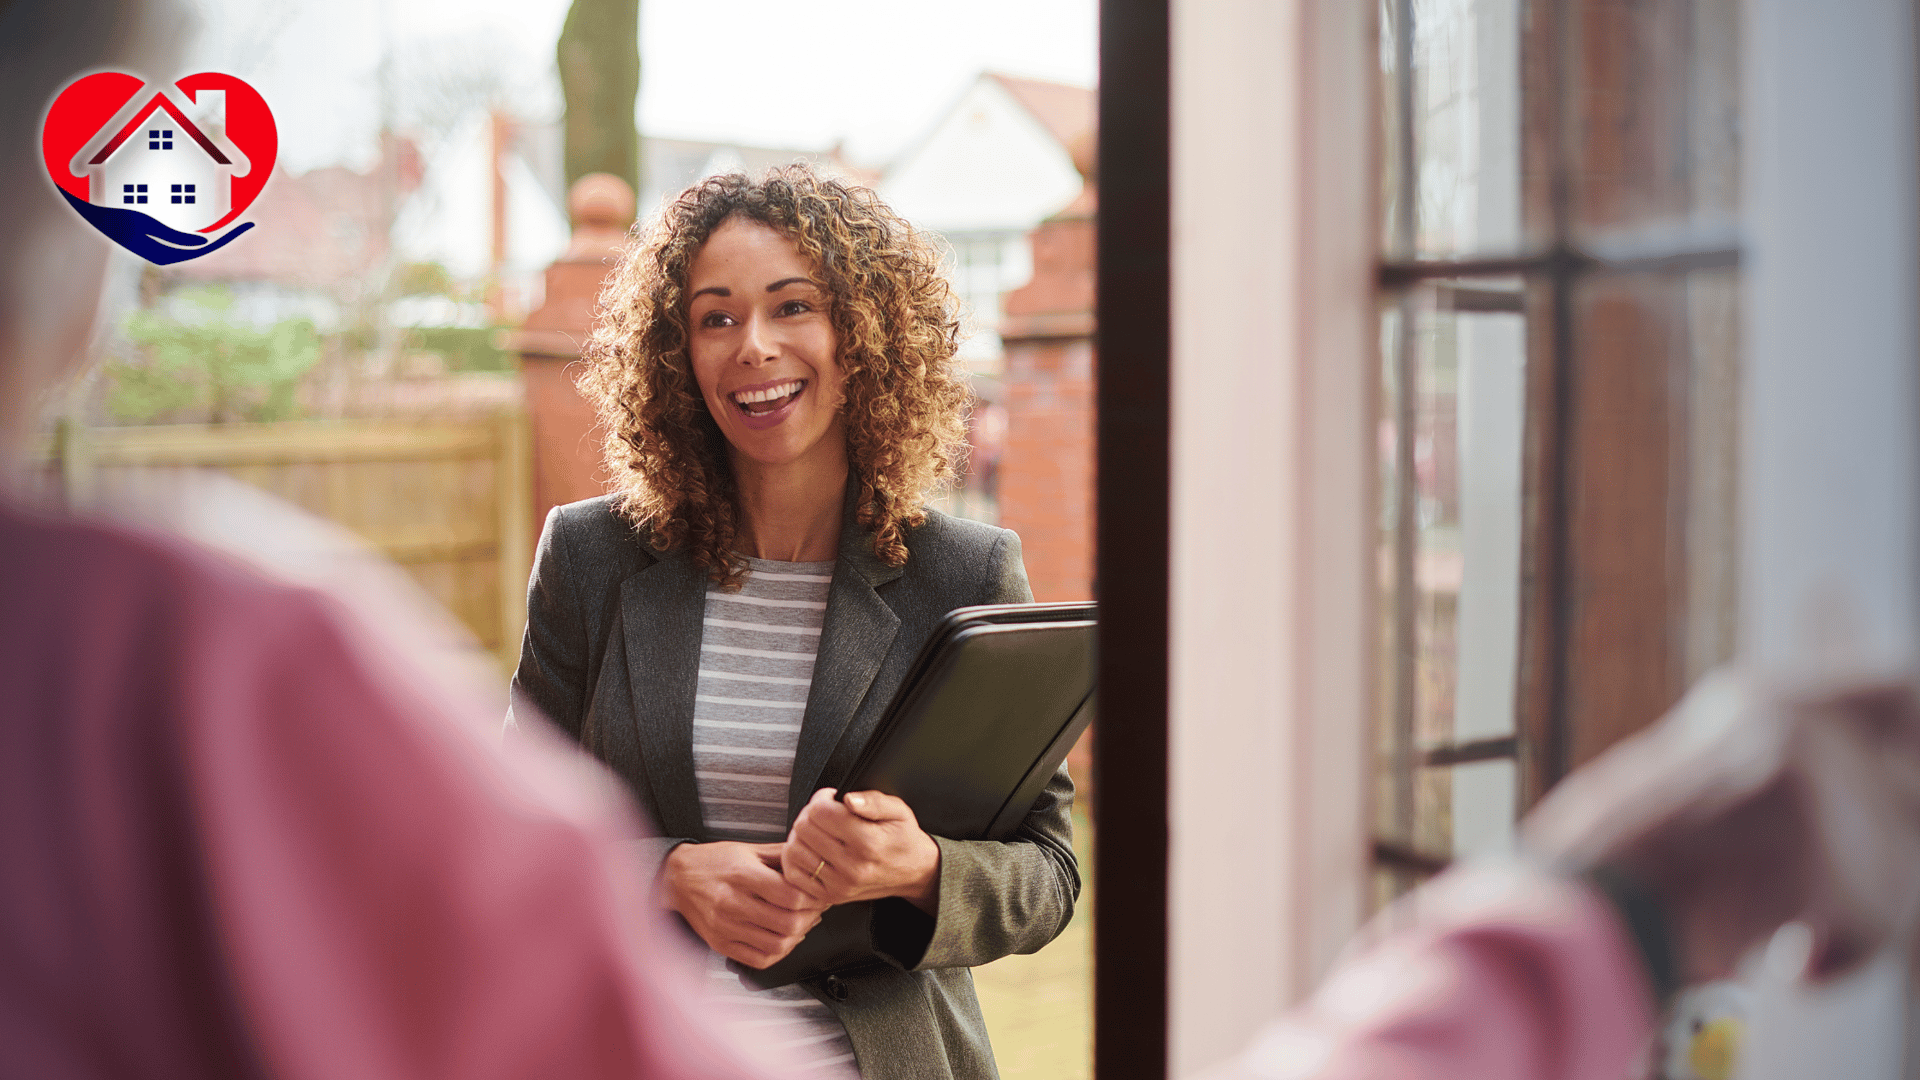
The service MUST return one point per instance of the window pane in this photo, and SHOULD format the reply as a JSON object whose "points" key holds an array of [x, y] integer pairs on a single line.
{"points": [[1451, 430], [1712, 530], [1653, 470], [1655, 120], [1460, 156]]}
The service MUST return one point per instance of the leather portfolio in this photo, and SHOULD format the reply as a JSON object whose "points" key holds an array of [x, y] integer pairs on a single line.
{"points": [[988, 711]]}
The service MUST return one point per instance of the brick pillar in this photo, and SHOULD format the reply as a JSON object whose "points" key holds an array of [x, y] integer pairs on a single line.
{"points": [[1046, 473], [566, 446]]}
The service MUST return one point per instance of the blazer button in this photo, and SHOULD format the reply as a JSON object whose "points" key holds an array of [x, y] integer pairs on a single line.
{"points": [[835, 987]]}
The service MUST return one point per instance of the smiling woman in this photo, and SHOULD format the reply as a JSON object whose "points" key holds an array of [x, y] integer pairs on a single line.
{"points": [[775, 370]]}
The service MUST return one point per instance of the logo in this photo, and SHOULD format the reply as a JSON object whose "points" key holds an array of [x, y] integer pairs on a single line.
{"points": [[161, 170]]}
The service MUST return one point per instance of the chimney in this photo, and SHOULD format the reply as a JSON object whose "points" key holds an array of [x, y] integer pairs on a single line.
{"points": [[209, 111]]}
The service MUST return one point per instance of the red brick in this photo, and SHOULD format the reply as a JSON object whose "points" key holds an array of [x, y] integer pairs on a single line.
{"points": [[1046, 476]]}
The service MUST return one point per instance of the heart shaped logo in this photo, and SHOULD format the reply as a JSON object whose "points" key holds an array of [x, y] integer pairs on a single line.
{"points": [[161, 170]]}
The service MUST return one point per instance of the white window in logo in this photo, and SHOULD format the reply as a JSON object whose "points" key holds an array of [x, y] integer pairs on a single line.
{"points": [[159, 138], [182, 193], [136, 193]]}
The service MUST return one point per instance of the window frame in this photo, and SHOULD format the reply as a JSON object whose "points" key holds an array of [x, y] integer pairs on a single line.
{"points": [[1545, 744], [1133, 340]]}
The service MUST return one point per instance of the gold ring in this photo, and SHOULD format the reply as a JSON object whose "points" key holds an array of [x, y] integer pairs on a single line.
{"points": [[817, 869]]}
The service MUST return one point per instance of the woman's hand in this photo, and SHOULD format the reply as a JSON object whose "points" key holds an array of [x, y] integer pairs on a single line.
{"points": [[866, 848], [733, 896]]}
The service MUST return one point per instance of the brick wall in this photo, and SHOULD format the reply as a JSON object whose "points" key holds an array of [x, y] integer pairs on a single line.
{"points": [[1046, 478], [1046, 475]]}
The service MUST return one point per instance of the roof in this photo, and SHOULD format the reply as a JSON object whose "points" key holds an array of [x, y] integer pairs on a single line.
{"points": [[160, 101], [1067, 111], [670, 165]]}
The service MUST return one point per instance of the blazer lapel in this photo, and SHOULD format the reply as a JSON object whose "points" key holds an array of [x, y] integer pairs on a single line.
{"points": [[661, 612], [858, 632]]}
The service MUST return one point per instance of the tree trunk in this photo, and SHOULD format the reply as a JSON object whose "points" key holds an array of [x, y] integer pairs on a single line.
{"points": [[599, 57]]}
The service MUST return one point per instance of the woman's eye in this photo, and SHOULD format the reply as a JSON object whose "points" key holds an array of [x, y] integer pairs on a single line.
{"points": [[795, 307], [716, 318]]}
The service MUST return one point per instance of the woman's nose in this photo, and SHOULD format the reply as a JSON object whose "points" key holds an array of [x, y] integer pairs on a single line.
{"points": [[757, 345]]}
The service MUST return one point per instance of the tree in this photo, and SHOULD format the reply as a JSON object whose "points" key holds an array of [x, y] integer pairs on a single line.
{"points": [[599, 56]]}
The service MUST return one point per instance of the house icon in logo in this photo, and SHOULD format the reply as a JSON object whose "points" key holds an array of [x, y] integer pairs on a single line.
{"points": [[167, 157]]}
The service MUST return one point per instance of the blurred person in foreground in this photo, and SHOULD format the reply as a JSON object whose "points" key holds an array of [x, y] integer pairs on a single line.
{"points": [[1657, 866], [242, 832]]}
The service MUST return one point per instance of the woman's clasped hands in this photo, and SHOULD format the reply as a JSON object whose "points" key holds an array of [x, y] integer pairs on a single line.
{"points": [[755, 902], [865, 848], [734, 897]]}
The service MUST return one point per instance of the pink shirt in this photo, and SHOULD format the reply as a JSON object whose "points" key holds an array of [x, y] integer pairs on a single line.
{"points": [[1492, 973], [237, 841]]}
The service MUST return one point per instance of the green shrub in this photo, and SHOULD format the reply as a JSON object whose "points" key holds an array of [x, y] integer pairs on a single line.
{"points": [[201, 361], [465, 348]]}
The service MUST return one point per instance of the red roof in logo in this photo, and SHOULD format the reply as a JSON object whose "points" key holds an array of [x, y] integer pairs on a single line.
{"points": [[159, 102]]}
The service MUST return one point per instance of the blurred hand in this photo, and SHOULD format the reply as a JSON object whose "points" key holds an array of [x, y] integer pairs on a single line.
{"points": [[868, 847], [1751, 806], [733, 896]]}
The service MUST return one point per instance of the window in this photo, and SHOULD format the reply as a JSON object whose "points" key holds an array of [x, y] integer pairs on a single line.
{"points": [[131, 194], [160, 138], [1558, 342], [984, 267], [182, 193]]}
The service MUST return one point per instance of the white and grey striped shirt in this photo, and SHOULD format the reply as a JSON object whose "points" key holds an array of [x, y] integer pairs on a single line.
{"points": [[756, 665]]}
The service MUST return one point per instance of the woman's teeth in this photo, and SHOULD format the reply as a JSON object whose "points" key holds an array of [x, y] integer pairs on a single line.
{"points": [[768, 399]]}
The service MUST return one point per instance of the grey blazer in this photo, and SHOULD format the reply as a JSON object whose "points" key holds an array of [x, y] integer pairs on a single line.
{"points": [[611, 656]]}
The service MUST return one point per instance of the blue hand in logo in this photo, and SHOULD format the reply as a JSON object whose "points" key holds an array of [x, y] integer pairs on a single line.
{"points": [[146, 237]]}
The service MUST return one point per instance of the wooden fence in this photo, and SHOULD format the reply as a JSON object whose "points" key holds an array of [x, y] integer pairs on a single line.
{"points": [[450, 501]]}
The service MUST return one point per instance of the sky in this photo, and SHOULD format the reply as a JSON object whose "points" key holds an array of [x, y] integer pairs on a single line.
{"points": [[873, 74]]}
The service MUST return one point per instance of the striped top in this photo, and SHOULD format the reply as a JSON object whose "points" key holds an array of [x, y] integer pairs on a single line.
{"points": [[756, 665]]}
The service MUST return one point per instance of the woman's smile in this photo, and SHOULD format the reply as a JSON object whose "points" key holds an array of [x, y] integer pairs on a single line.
{"points": [[767, 404]]}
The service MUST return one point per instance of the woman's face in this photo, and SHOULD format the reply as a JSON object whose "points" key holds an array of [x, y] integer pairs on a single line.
{"points": [[764, 349]]}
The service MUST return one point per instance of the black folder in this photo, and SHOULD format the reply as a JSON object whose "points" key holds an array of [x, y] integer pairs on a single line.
{"points": [[985, 716]]}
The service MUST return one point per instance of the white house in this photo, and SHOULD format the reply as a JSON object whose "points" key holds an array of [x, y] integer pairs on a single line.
{"points": [[1005, 157], [166, 157]]}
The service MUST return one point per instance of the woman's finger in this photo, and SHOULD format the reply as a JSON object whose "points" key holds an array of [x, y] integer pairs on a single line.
{"points": [[787, 888], [878, 806], [752, 958], [805, 870], [777, 952], [767, 884], [826, 834], [838, 828], [784, 895], [752, 955], [780, 922], [748, 920]]}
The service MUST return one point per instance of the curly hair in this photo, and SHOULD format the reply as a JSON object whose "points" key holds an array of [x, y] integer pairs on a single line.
{"points": [[895, 316]]}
